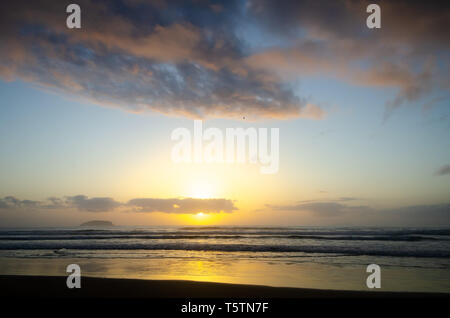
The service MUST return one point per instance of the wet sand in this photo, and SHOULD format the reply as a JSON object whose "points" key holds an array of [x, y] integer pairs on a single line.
{"points": [[55, 287]]}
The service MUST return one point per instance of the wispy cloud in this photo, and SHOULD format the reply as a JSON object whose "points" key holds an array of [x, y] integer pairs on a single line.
{"points": [[442, 171], [329, 38], [107, 204], [184, 205], [344, 213], [12, 202], [82, 202], [321, 208], [183, 58], [190, 58]]}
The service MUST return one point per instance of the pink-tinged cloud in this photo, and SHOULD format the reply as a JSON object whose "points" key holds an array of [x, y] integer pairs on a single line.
{"points": [[190, 58]]}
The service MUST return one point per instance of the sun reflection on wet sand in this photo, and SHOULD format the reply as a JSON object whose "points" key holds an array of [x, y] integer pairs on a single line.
{"points": [[214, 268]]}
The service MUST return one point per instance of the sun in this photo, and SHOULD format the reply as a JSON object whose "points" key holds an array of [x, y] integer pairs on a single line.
{"points": [[201, 218]]}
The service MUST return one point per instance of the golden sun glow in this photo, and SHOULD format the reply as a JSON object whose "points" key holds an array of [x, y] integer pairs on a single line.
{"points": [[201, 190], [200, 218]]}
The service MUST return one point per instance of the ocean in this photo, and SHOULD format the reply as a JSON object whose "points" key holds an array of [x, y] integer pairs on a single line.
{"points": [[411, 259]]}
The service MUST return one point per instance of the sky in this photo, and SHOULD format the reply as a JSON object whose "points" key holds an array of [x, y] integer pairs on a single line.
{"points": [[86, 115]]}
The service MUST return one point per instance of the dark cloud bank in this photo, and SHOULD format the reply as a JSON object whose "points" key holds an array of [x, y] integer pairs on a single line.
{"points": [[340, 212], [105, 204], [197, 59]]}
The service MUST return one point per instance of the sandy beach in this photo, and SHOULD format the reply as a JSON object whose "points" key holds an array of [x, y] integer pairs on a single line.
{"points": [[55, 287]]}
